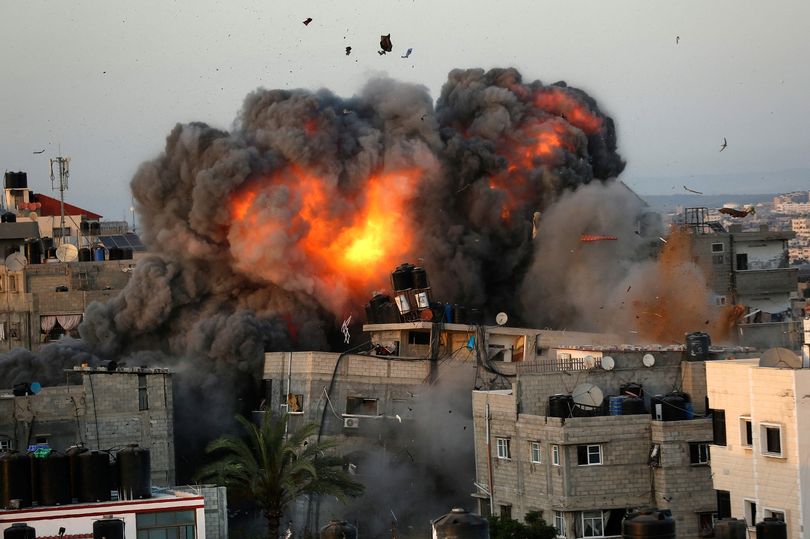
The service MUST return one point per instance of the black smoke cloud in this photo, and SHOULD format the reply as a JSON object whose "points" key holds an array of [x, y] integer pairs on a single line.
{"points": [[204, 305]]}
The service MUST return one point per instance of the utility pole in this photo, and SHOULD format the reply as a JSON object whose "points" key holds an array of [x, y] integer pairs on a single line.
{"points": [[63, 170]]}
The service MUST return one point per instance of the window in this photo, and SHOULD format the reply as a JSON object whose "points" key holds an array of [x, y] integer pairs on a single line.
{"points": [[723, 504], [559, 523], [12, 283], [589, 455], [361, 406], [750, 513], [706, 524], [555, 455], [742, 262], [418, 337], [720, 300], [534, 450], [14, 331], [506, 512], [770, 436], [699, 452], [294, 402], [41, 440], [166, 525], [746, 432], [719, 426], [503, 448], [717, 247], [592, 524], [717, 259], [143, 394], [6, 444], [61, 232], [773, 513]]}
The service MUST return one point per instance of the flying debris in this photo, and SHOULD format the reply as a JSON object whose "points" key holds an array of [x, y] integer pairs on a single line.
{"points": [[677, 39], [723, 147], [39, 152], [407, 53], [662, 239], [348, 51], [345, 329], [589, 237], [307, 21], [385, 44], [692, 190], [738, 213], [398, 418]]}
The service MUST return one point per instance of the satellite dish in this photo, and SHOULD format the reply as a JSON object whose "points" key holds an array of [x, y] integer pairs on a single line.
{"points": [[16, 262], [607, 363], [33, 215], [587, 396], [589, 362], [67, 253], [648, 360], [780, 358], [501, 318]]}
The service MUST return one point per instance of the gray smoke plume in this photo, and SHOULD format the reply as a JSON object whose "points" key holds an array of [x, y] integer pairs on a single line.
{"points": [[264, 237]]}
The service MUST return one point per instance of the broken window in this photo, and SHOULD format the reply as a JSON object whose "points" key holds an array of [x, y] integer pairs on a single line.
{"points": [[699, 452], [361, 406], [418, 337], [294, 403]]}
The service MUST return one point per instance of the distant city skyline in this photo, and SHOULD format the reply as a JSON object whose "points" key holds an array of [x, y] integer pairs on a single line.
{"points": [[108, 81]]}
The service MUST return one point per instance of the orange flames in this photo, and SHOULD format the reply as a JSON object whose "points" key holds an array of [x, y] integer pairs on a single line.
{"points": [[557, 101], [301, 232]]}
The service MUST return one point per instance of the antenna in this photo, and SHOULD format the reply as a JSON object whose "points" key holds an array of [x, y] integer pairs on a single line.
{"points": [[63, 170]]}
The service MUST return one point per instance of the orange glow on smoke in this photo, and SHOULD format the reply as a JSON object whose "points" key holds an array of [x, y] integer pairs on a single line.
{"points": [[316, 238], [557, 101]]}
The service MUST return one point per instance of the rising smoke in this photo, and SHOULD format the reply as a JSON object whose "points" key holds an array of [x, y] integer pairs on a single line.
{"points": [[266, 236]]}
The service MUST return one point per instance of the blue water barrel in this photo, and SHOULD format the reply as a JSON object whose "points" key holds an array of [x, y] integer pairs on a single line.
{"points": [[448, 313], [98, 254], [690, 410], [615, 407]]}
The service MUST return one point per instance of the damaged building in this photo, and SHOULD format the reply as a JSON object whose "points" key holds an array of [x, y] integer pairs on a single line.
{"points": [[585, 434]]}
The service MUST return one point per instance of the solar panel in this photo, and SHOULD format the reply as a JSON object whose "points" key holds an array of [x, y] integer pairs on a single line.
{"points": [[127, 241]]}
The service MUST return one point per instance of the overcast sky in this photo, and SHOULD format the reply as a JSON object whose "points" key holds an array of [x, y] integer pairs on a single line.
{"points": [[108, 79]]}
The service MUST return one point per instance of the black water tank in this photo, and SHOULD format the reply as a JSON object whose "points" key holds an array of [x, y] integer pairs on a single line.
{"points": [[649, 524], [94, 477], [15, 479], [730, 528], [127, 253], [338, 529], [33, 251], [134, 473], [20, 530], [85, 255], [108, 528], [370, 315], [476, 316], [84, 227], [771, 528], [115, 253], [420, 279], [8, 217], [460, 524], [95, 228], [633, 406], [51, 479], [560, 406], [697, 346], [460, 314], [73, 460], [16, 180], [669, 407], [631, 390], [402, 277]]}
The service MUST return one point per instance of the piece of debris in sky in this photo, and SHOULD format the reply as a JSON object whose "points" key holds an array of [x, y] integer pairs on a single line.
{"points": [[662, 239], [677, 39], [692, 190], [348, 51], [591, 237], [307, 21], [723, 146], [385, 44], [738, 213], [407, 53], [345, 329], [39, 152]]}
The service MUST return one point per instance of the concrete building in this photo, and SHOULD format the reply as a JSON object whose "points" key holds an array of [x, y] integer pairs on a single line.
{"points": [[748, 268], [762, 439], [168, 514], [99, 409], [583, 473]]}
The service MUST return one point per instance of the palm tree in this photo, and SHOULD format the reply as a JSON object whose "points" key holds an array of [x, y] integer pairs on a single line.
{"points": [[275, 468]]}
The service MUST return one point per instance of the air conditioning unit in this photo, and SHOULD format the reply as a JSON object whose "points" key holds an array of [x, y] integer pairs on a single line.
{"points": [[351, 422]]}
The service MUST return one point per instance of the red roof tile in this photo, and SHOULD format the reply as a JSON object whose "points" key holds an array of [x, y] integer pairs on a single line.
{"points": [[50, 207]]}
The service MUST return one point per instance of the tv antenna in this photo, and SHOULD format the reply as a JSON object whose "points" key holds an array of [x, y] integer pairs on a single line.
{"points": [[63, 173]]}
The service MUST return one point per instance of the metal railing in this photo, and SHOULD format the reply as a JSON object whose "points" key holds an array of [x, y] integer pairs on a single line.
{"points": [[558, 365]]}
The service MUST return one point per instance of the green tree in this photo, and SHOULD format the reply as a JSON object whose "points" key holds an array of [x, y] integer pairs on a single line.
{"points": [[275, 468], [534, 528]]}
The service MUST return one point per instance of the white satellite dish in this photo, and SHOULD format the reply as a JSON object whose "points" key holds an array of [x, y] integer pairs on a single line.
{"points": [[589, 361], [607, 363], [648, 360], [16, 262], [501, 318], [780, 358], [587, 395], [67, 253], [33, 215]]}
